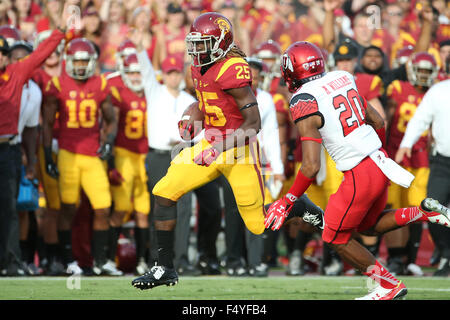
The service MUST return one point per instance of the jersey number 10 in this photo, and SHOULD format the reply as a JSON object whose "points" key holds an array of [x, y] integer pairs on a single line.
{"points": [[351, 113]]}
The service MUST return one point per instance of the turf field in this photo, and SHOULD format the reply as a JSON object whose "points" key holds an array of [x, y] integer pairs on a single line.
{"points": [[213, 288]]}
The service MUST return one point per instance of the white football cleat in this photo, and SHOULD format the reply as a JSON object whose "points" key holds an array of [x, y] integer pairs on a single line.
{"points": [[380, 293], [435, 212], [108, 269], [74, 269]]}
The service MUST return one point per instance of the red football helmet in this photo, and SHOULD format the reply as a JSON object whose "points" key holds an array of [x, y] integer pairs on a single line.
{"points": [[421, 69], [402, 56], [210, 38], [80, 49], [126, 48], [302, 62], [41, 36], [268, 50], [10, 33], [131, 65]]}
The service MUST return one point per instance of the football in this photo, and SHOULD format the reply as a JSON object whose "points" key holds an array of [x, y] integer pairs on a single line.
{"points": [[191, 123]]}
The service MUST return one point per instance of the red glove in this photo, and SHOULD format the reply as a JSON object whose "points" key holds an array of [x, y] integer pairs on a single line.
{"points": [[188, 131], [207, 156], [278, 212], [115, 178]]}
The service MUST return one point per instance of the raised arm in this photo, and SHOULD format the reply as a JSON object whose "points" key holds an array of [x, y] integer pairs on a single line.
{"points": [[147, 71], [425, 36], [328, 33]]}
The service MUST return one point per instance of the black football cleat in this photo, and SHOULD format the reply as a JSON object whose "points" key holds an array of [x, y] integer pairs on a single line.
{"points": [[157, 276]]}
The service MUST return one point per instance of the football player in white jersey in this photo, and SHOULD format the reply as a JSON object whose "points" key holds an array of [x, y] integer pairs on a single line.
{"points": [[327, 109]]}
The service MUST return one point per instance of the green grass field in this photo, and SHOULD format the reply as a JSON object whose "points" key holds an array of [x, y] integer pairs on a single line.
{"points": [[213, 288]]}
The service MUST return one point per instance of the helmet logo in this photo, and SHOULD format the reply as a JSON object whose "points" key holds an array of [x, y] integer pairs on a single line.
{"points": [[223, 24], [343, 49], [306, 66], [287, 63]]}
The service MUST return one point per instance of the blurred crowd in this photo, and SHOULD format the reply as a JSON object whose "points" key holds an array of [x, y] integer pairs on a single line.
{"points": [[396, 49]]}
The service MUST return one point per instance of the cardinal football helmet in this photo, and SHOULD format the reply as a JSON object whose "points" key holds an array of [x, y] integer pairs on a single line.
{"points": [[302, 62], [402, 56], [210, 38], [80, 49], [41, 36], [422, 69], [10, 33], [131, 64], [126, 48], [269, 50]]}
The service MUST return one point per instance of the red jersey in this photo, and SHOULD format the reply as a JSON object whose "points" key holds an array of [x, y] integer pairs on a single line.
{"points": [[79, 112], [132, 126], [407, 99], [369, 86], [42, 78], [15, 76], [221, 111]]}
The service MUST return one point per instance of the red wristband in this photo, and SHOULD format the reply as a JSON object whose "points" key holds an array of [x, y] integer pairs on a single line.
{"points": [[318, 140], [299, 187]]}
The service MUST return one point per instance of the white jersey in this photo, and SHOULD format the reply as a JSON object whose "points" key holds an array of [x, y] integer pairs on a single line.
{"points": [[334, 97]]}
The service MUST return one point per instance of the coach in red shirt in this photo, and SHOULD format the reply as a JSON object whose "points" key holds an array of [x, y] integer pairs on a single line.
{"points": [[12, 79]]}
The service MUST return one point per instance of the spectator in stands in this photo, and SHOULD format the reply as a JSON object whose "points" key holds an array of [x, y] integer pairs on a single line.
{"points": [[433, 113], [28, 13], [153, 40], [7, 15], [92, 25], [174, 31], [241, 35], [115, 32], [51, 15]]}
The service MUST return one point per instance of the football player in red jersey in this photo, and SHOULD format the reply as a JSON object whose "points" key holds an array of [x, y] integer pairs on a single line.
{"points": [[269, 52], [127, 172], [328, 109], [403, 99], [81, 97], [222, 81], [52, 67]]}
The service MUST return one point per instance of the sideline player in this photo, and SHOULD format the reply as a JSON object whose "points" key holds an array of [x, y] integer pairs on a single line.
{"points": [[222, 81], [403, 99], [52, 67], [328, 109], [80, 97], [127, 173]]}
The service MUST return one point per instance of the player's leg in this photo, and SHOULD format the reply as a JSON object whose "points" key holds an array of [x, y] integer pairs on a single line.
{"points": [[361, 196], [69, 188], [182, 176], [208, 227], [141, 201], [50, 217], [439, 188], [246, 181], [94, 181], [416, 193], [122, 198]]}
